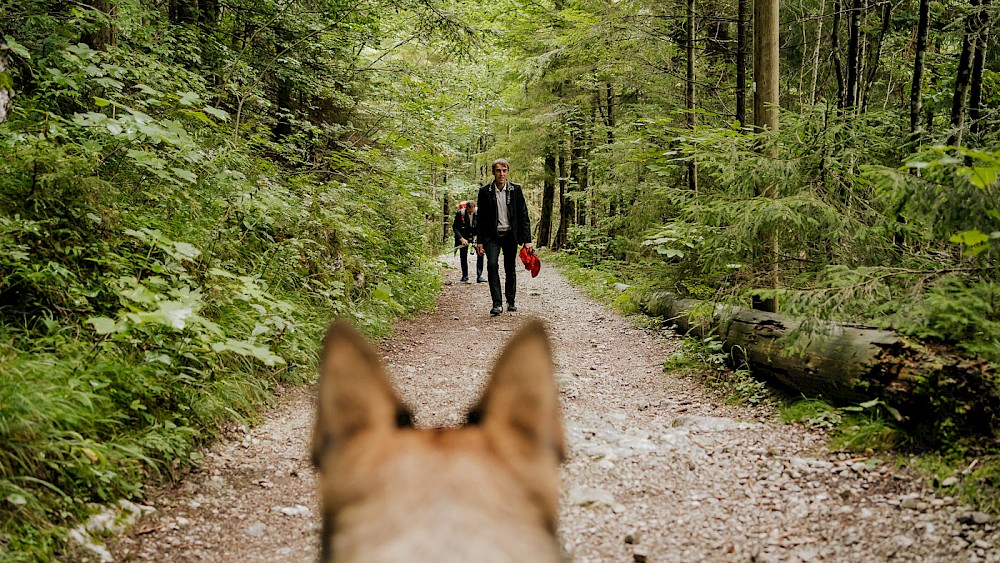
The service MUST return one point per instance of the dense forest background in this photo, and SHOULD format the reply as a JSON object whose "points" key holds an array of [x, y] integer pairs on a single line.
{"points": [[191, 189]]}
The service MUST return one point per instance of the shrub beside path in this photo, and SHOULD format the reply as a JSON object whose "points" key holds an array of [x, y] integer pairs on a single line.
{"points": [[658, 470]]}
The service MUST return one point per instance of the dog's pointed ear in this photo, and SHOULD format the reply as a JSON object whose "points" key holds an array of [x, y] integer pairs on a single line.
{"points": [[520, 408], [354, 393]]}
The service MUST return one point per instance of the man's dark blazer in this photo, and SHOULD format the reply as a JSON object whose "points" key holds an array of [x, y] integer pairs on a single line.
{"points": [[517, 212]]}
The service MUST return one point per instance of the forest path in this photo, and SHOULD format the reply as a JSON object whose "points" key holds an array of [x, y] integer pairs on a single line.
{"points": [[658, 468]]}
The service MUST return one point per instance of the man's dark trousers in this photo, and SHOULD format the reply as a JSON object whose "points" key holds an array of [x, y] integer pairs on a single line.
{"points": [[508, 244], [463, 257]]}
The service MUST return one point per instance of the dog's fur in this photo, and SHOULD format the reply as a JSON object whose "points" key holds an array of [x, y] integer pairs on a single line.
{"points": [[487, 491]]}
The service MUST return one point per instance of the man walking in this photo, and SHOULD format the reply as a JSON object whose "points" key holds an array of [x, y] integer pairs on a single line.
{"points": [[464, 227], [503, 225]]}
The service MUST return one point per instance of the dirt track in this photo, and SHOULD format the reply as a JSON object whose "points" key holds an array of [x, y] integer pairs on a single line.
{"points": [[659, 470]]}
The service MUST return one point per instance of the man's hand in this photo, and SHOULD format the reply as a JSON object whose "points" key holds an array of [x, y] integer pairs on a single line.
{"points": [[531, 249], [479, 249], [464, 242]]}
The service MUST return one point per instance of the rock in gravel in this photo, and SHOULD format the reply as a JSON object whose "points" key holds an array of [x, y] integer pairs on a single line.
{"points": [[588, 496], [256, 529], [975, 517]]}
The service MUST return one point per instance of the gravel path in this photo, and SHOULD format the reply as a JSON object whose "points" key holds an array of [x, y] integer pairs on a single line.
{"points": [[658, 469]]}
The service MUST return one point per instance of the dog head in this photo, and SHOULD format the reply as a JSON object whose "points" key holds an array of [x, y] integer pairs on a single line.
{"points": [[486, 491]]}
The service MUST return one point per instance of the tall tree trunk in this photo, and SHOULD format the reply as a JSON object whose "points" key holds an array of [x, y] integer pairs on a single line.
{"points": [[853, 56], [208, 12], [6, 85], [919, 54], [445, 218], [548, 195], [577, 189], [690, 93], [565, 205], [835, 52], [614, 203], [873, 63], [976, 81], [105, 34], [742, 47], [609, 119], [765, 110], [816, 51], [963, 75], [182, 11], [283, 125]]}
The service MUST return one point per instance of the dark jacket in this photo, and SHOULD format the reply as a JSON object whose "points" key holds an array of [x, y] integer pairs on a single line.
{"points": [[464, 226], [517, 212]]}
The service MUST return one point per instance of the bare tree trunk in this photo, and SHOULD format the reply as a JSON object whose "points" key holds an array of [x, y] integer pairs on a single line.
{"points": [[848, 363], [976, 81], [105, 35], [208, 11], [835, 50], [445, 215], [853, 56], [690, 93], [283, 123], [610, 117], [920, 52], [963, 75], [182, 11], [873, 63], [742, 47], [565, 204], [765, 110], [548, 195], [577, 169], [819, 40]]}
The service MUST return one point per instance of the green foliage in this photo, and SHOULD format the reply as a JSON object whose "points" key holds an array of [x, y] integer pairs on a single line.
{"points": [[170, 250], [966, 470], [864, 428], [814, 413], [706, 359]]}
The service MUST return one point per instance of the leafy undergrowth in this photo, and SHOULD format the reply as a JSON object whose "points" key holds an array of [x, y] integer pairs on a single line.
{"points": [[158, 281], [968, 469]]}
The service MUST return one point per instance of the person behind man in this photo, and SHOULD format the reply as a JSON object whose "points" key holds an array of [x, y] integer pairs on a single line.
{"points": [[503, 225], [474, 213], [464, 227]]}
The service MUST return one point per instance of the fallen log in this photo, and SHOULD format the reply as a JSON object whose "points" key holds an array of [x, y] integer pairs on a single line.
{"points": [[927, 383]]}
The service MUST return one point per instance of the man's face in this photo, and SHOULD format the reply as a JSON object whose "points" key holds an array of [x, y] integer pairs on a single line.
{"points": [[500, 174]]}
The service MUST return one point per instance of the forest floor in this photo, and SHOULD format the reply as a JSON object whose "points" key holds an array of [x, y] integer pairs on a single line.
{"points": [[659, 468]]}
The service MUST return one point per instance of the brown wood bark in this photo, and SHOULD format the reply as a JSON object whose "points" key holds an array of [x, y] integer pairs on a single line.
{"points": [[816, 51], [548, 196], [853, 56], [742, 48], [919, 55], [876, 57], [963, 74], [446, 218], [835, 52], [692, 172], [105, 34], [565, 205], [843, 363], [765, 114], [978, 64]]}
